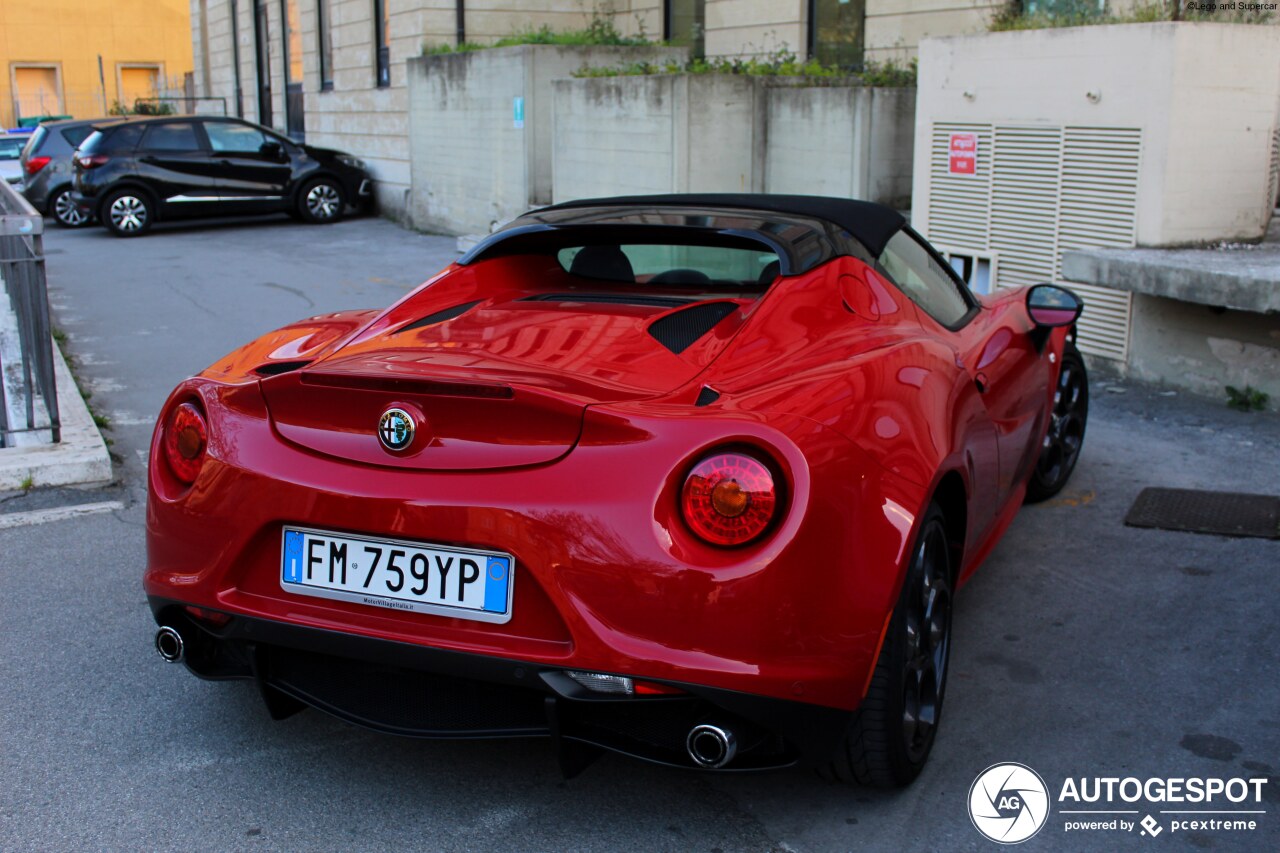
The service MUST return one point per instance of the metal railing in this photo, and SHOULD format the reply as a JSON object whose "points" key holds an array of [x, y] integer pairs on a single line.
{"points": [[28, 387]]}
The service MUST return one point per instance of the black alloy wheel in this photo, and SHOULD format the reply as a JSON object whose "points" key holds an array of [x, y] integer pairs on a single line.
{"points": [[1065, 435], [65, 211], [893, 730], [321, 201], [128, 213]]}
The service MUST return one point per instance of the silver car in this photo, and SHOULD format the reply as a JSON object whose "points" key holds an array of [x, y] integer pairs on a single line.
{"points": [[10, 154], [47, 172]]}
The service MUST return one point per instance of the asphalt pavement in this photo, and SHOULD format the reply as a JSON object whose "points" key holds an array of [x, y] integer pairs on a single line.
{"points": [[1083, 648]]}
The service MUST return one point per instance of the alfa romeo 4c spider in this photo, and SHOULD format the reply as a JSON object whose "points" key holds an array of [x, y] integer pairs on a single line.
{"points": [[690, 478]]}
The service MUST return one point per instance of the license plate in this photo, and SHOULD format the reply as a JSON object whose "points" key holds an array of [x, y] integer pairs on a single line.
{"points": [[392, 573]]}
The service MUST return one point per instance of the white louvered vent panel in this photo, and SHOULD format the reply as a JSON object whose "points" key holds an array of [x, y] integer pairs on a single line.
{"points": [[1025, 175], [958, 204], [1098, 209], [1104, 325]]}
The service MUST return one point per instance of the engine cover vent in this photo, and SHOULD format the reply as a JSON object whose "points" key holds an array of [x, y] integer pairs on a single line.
{"points": [[678, 330]]}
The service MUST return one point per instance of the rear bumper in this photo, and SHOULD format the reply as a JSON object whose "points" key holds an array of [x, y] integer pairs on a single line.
{"points": [[416, 691]]}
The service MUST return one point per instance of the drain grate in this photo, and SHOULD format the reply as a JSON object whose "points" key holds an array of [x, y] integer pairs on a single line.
{"points": [[1219, 513]]}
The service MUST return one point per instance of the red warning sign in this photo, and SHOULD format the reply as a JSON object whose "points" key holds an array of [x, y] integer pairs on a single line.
{"points": [[963, 154]]}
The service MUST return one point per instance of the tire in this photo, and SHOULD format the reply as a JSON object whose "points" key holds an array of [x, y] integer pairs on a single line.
{"points": [[64, 211], [1065, 435], [128, 213], [893, 730], [321, 200]]}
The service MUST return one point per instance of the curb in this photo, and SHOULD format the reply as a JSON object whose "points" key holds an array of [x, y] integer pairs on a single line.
{"points": [[80, 459]]}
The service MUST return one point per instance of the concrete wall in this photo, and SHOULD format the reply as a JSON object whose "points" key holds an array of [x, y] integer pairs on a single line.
{"points": [[1204, 349], [1204, 104], [654, 134], [849, 142], [726, 133], [472, 167]]}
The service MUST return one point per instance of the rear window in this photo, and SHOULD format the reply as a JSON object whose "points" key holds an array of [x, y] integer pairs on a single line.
{"points": [[76, 135], [11, 147], [118, 140], [719, 268], [37, 138]]}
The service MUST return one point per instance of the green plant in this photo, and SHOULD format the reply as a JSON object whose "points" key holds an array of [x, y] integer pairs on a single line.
{"points": [[1012, 16], [782, 63], [1248, 400], [118, 109], [600, 31], [27, 483], [153, 108], [101, 421]]}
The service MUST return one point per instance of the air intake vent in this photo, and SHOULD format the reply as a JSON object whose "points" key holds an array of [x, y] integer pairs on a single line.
{"points": [[440, 316], [678, 331], [275, 368]]}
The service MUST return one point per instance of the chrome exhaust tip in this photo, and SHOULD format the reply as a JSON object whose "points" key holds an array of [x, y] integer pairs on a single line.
{"points": [[169, 644], [711, 746]]}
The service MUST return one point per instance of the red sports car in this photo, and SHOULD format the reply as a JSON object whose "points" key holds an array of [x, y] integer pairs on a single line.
{"points": [[691, 478]]}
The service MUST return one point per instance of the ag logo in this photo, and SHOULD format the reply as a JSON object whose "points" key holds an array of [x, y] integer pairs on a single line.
{"points": [[1008, 803], [395, 429]]}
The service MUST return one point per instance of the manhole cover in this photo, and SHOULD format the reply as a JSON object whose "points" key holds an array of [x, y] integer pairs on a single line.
{"points": [[1220, 513]]}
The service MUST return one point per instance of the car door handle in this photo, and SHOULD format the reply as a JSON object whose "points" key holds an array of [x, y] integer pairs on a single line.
{"points": [[225, 162], [150, 161]]}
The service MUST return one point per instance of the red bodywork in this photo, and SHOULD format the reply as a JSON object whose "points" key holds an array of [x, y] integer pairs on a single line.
{"points": [[862, 401]]}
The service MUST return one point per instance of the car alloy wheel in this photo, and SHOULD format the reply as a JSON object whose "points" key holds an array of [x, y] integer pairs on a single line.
{"points": [[892, 732], [324, 202], [128, 214], [67, 212], [1065, 435], [927, 624]]}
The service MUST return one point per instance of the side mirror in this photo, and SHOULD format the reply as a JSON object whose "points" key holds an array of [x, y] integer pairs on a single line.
{"points": [[1050, 305], [271, 150]]}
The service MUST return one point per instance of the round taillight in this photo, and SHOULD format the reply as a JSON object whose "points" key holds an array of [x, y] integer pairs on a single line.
{"points": [[185, 439], [729, 498]]}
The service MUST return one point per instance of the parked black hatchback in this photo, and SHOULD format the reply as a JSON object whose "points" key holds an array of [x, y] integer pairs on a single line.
{"points": [[132, 173]]}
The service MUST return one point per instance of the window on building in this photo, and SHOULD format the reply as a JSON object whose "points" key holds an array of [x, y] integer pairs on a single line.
{"points": [[137, 82], [37, 91], [685, 24], [836, 29], [381, 42], [1065, 8], [924, 279], [323, 29], [292, 42]]}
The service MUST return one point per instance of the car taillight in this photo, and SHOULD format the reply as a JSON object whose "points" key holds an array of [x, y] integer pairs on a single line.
{"points": [[729, 498], [92, 161], [185, 440], [35, 164]]}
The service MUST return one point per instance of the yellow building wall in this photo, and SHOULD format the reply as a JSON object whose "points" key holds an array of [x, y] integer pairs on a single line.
{"points": [[60, 40]]}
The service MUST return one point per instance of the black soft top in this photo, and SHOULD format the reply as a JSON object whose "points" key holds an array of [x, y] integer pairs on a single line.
{"points": [[805, 231], [870, 224]]}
